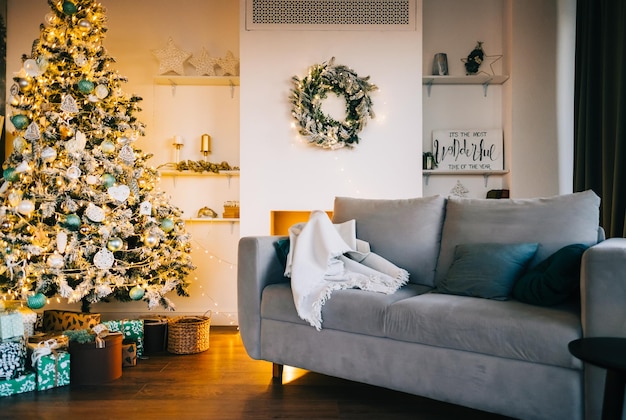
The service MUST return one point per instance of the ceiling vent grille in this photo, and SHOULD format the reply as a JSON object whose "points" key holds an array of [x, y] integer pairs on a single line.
{"points": [[330, 15]]}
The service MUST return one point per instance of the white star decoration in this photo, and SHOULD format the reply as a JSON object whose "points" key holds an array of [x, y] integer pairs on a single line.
{"points": [[229, 64], [205, 64], [171, 58]]}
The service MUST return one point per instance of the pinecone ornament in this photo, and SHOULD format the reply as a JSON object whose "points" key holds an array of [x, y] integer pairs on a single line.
{"points": [[475, 59]]}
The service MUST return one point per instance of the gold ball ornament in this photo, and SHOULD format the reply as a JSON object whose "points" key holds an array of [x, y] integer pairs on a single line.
{"points": [[85, 230], [25, 84], [115, 244], [6, 225], [150, 240], [84, 25], [66, 132]]}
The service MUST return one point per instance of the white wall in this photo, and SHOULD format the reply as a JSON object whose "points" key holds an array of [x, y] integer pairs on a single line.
{"points": [[278, 170]]}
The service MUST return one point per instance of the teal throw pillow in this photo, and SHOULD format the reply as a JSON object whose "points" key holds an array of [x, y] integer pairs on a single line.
{"points": [[486, 270], [282, 250], [554, 280]]}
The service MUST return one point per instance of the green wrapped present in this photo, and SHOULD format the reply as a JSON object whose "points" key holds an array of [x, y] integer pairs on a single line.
{"points": [[52, 368], [24, 383], [132, 330], [11, 325]]}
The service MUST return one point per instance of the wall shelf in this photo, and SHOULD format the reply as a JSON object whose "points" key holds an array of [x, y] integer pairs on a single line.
{"points": [[479, 79], [211, 220], [486, 174], [175, 173], [197, 80]]}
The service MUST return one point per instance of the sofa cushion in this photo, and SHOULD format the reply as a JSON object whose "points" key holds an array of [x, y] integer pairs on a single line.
{"points": [[507, 329], [554, 280], [486, 270], [351, 310], [407, 232], [553, 222]]}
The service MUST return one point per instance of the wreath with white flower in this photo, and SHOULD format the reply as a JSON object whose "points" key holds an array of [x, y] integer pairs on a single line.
{"points": [[307, 97]]}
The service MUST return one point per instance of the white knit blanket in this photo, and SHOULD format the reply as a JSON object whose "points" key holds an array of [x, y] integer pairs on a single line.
{"points": [[324, 257]]}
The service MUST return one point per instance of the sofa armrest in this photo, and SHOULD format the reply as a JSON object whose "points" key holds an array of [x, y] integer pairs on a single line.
{"points": [[258, 266], [603, 289], [603, 308]]}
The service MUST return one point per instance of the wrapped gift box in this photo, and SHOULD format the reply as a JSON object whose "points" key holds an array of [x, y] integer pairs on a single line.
{"points": [[129, 353], [12, 357], [11, 325], [132, 330], [23, 383], [52, 369], [29, 318], [56, 320]]}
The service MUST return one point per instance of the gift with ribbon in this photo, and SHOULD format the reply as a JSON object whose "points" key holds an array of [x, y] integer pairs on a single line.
{"points": [[29, 318], [57, 320], [51, 365]]}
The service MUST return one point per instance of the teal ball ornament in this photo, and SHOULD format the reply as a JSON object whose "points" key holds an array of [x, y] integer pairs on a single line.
{"points": [[136, 293], [20, 121], [10, 175], [108, 180], [85, 86], [69, 8], [167, 225], [115, 244], [36, 301], [72, 222]]}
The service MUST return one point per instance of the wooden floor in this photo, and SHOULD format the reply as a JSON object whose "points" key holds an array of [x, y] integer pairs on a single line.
{"points": [[224, 383]]}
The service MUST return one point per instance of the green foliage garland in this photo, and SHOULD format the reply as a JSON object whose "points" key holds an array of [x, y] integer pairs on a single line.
{"points": [[307, 96]]}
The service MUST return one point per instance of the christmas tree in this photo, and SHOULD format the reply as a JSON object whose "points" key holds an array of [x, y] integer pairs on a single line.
{"points": [[80, 213]]}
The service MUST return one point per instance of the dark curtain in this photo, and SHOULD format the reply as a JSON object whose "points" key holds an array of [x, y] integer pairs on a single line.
{"points": [[600, 108]]}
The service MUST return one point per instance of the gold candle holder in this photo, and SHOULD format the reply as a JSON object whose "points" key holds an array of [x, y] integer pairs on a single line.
{"points": [[205, 146], [178, 143]]}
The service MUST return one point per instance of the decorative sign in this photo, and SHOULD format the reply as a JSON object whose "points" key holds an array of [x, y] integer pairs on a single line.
{"points": [[468, 150]]}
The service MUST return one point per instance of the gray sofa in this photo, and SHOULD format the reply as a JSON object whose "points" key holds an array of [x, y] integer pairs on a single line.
{"points": [[501, 356]]}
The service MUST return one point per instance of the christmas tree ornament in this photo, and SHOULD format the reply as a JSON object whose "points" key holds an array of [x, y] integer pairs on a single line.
{"points": [[136, 293], [84, 25], [32, 132], [48, 154], [25, 83], [167, 225], [56, 261], [36, 301], [171, 58], [115, 244], [14, 197], [69, 8], [85, 230], [26, 207], [72, 222], [69, 104], [61, 242], [20, 121], [32, 68], [119, 193], [107, 146], [85, 86], [14, 101], [104, 259], [42, 63], [95, 213], [66, 132], [91, 179], [102, 91], [10, 175], [50, 19], [127, 154], [6, 225], [150, 240], [145, 208], [108, 180], [80, 60], [73, 172]]}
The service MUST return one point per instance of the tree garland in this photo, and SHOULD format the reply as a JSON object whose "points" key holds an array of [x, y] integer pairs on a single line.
{"points": [[307, 96]]}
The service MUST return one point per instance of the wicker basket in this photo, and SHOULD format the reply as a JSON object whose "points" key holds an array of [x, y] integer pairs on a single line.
{"points": [[188, 334]]}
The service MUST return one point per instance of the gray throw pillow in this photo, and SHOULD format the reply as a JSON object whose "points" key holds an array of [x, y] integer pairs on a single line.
{"points": [[486, 270], [406, 232]]}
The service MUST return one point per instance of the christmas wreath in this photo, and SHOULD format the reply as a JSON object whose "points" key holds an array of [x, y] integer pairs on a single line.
{"points": [[307, 96]]}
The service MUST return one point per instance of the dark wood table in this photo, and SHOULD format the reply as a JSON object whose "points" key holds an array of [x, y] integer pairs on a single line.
{"points": [[608, 353]]}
